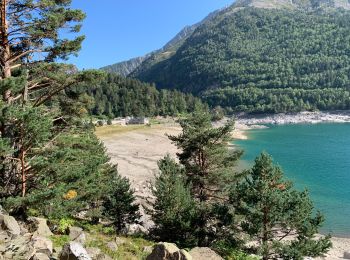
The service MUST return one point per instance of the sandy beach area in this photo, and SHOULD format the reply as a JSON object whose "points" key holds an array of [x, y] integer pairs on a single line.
{"points": [[136, 150]]}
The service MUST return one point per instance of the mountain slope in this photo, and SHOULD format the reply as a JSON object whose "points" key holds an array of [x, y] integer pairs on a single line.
{"points": [[302, 46], [126, 68], [293, 4]]}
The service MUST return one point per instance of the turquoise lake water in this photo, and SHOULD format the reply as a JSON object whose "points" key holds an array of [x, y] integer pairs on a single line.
{"points": [[316, 157]]}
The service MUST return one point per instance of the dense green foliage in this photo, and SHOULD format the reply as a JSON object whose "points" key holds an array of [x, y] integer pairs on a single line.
{"points": [[174, 209], [204, 154], [69, 176], [119, 204], [283, 53], [207, 169], [117, 96], [51, 163], [256, 100], [203, 201], [277, 216]]}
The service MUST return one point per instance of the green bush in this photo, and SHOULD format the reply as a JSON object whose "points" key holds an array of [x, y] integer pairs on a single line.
{"points": [[64, 224]]}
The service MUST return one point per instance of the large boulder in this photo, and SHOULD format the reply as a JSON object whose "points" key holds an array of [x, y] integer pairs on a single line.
{"points": [[200, 253], [96, 254], [20, 247], [40, 256], [42, 245], [168, 251], [74, 251], [39, 227], [77, 234], [9, 224]]}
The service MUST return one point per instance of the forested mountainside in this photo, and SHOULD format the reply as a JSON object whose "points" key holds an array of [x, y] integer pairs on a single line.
{"points": [[261, 48], [295, 54], [118, 96]]}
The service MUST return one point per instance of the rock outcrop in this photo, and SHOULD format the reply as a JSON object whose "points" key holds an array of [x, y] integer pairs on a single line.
{"points": [[77, 234], [168, 251], [74, 251], [10, 225], [199, 253], [39, 227]]}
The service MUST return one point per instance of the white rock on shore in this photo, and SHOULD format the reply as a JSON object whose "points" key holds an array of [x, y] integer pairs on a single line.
{"points": [[296, 118]]}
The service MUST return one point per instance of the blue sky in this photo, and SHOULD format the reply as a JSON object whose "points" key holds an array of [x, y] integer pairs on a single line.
{"points": [[118, 30]]}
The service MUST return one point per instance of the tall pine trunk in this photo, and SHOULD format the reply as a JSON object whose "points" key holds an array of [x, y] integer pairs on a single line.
{"points": [[23, 174], [5, 44]]}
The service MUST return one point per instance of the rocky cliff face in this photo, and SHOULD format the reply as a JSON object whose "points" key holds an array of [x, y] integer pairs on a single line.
{"points": [[126, 67]]}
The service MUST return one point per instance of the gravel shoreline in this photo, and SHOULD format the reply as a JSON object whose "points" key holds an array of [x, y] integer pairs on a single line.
{"points": [[295, 118]]}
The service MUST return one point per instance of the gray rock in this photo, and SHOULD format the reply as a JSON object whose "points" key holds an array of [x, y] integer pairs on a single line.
{"points": [[43, 245], [199, 253], [112, 246], [56, 252], [77, 234], [9, 224], [135, 229], [39, 227], [74, 251], [347, 255], [2, 247], [4, 237], [40, 256], [19, 248], [24, 230], [96, 254], [168, 251]]}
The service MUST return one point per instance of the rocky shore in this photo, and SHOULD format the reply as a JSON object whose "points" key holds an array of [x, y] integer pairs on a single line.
{"points": [[295, 118]]}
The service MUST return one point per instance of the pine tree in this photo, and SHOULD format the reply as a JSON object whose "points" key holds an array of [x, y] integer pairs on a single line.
{"points": [[63, 178], [30, 27], [37, 111], [209, 163], [280, 218], [30, 128], [209, 168], [119, 202], [174, 211]]}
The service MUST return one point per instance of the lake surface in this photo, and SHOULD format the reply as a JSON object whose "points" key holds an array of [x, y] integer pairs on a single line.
{"points": [[316, 157]]}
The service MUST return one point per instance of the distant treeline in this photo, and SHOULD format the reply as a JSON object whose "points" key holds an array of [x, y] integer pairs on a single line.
{"points": [[256, 100], [118, 96]]}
